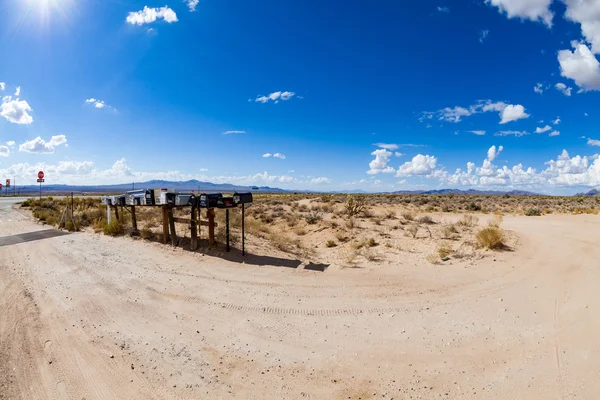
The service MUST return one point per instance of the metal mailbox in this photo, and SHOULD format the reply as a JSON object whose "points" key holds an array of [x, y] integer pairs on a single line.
{"points": [[226, 202], [169, 198], [209, 200], [184, 199], [119, 200], [242, 198]]}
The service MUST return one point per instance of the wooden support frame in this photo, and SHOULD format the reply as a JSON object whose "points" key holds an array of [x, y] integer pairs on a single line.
{"points": [[194, 230], [172, 227], [210, 215], [165, 215]]}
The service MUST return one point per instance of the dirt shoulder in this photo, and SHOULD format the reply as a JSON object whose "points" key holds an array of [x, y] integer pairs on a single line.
{"points": [[91, 316]]}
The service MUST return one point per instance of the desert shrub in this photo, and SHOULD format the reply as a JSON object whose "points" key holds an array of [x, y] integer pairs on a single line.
{"points": [[341, 237], [389, 214], [408, 216], [354, 206], [371, 243], [444, 250], [433, 259], [300, 231], [351, 223], [474, 206], [69, 226], [147, 234], [533, 212], [491, 238], [412, 230], [313, 217], [426, 219], [330, 243], [115, 228], [496, 221], [468, 221], [449, 232], [369, 254]]}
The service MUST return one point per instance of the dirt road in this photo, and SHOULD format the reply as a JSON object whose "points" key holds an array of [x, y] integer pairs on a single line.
{"points": [[88, 316]]}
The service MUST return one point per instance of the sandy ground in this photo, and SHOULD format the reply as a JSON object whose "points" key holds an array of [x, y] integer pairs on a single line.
{"points": [[88, 316]]}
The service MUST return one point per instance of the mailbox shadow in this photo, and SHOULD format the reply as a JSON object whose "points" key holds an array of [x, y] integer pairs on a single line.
{"points": [[235, 255]]}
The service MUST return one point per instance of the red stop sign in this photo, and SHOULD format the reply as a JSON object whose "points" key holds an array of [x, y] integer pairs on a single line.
{"points": [[41, 175]]}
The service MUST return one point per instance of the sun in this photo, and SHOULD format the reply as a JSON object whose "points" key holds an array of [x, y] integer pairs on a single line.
{"points": [[48, 12]]}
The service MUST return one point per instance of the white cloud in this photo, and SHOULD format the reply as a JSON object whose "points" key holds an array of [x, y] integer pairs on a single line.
{"points": [[593, 142], [18, 91], [581, 66], [40, 146], [16, 111], [586, 13], [276, 155], [233, 132], [554, 133], [2, 86], [564, 89], [99, 103], [544, 129], [377, 182], [443, 9], [420, 165], [150, 15], [275, 96], [538, 88], [513, 113], [507, 112], [320, 180], [478, 133], [483, 35], [388, 146], [511, 133], [534, 10], [192, 4], [493, 152], [379, 164], [4, 151], [10, 143], [556, 121], [398, 154]]}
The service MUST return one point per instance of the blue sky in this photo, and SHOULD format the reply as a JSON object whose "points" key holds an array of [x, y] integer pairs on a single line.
{"points": [[377, 96]]}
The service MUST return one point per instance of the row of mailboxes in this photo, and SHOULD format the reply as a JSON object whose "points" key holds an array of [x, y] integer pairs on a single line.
{"points": [[156, 197]]}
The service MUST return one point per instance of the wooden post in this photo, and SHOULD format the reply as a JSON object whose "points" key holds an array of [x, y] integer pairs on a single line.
{"points": [[243, 230], [227, 228], [117, 213], [108, 213], [210, 214], [133, 220], [172, 226], [165, 225], [194, 234]]}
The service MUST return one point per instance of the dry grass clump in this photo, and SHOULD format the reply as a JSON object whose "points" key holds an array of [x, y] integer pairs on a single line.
{"points": [[409, 216], [533, 212], [341, 237], [450, 232], [115, 228], [426, 219], [331, 243], [491, 238], [444, 250], [313, 217], [468, 221]]}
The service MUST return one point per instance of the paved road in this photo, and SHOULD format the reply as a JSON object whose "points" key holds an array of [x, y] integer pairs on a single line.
{"points": [[88, 316]]}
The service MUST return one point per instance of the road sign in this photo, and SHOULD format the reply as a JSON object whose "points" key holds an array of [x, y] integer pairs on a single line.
{"points": [[41, 175], [40, 180], [8, 183]]}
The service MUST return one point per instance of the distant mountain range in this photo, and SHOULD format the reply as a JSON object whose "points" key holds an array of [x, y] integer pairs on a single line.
{"points": [[591, 193], [472, 192], [208, 187], [185, 186]]}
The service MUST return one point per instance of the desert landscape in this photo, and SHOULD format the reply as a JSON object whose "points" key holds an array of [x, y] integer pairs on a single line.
{"points": [[340, 297]]}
